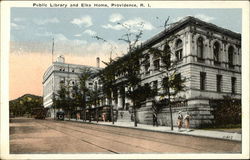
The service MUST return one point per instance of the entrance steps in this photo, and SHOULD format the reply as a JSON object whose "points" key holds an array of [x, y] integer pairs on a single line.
{"points": [[124, 116]]}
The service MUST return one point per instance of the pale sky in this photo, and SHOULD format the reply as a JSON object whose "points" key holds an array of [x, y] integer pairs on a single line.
{"points": [[32, 31]]}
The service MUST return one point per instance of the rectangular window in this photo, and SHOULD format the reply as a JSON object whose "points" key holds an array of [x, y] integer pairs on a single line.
{"points": [[155, 85], [233, 81], [178, 55], [157, 64], [218, 81], [202, 80]]}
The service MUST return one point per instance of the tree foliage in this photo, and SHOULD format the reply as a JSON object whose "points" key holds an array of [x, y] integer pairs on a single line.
{"points": [[25, 105], [227, 111], [172, 81], [71, 97]]}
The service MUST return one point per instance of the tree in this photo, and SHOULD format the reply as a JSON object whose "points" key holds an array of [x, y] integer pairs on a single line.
{"points": [[130, 66], [83, 89], [94, 100], [25, 104], [172, 82], [62, 101], [107, 77], [76, 98], [55, 104], [226, 111]]}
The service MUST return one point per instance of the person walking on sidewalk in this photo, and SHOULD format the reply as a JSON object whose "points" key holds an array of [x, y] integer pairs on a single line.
{"points": [[155, 123], [187, 121], [179, 121]]}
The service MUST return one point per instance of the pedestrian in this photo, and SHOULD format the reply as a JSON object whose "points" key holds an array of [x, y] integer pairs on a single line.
{"points": [[103, 117], [121, 114], [155, 123], [77, 116], [187, 121], [179, 121]]}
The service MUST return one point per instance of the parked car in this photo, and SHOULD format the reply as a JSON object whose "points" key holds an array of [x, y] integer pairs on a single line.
{"points": [[60, 115], [39, 113]]}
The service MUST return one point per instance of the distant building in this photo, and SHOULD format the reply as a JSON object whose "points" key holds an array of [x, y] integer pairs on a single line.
{"points": [[60, 72]]}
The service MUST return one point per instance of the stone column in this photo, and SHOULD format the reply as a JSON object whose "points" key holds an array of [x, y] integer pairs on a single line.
{"points": [[113, 100], [151, 63], [189, 48], [226, 58], [211, 53], [184, 50], [207, 51], [239, 59], [224, 55], [119, 103]]}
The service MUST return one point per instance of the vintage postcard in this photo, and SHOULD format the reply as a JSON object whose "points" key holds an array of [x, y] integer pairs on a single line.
{"points": [[124, 79]]}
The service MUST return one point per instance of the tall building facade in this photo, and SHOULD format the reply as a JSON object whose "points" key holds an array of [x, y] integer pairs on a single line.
{"points": [[208, 56], [60, 72]]}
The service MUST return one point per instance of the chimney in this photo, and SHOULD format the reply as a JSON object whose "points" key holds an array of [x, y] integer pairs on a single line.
{"points": [[98, 62]]}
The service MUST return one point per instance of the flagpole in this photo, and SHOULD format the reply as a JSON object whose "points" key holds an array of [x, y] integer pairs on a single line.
{"points": [[52, 51]]}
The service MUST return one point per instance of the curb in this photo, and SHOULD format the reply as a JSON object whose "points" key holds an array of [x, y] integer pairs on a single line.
{"points": [[226, 137]]}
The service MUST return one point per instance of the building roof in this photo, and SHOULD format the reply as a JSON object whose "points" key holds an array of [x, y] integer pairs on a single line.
{"points": [[187, 21], [174, 27], [48, 71]]}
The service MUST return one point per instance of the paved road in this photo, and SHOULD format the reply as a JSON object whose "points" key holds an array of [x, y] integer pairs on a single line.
{"points": [[49, 136]]}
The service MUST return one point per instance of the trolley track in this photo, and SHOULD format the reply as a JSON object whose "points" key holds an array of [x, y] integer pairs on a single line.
{"points": [[50, 136], [96, 136], [151, 138], [58, 130]]}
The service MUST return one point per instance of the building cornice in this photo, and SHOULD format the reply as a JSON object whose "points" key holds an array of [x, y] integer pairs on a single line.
{"points": [[185, 22]]}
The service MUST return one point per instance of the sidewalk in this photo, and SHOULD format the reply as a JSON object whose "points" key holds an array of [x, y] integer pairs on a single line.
{"points": [[166, 129]]}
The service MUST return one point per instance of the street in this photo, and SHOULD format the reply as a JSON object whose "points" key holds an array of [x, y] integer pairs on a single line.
{"points": [[49, 136]]}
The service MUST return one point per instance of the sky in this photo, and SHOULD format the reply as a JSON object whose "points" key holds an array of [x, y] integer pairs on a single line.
{"points": [[73, 29]]}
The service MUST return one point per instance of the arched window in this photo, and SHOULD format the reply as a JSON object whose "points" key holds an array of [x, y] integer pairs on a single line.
{"points": [[200, 48], [216, 49], [230, 56], [178, 49]]}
